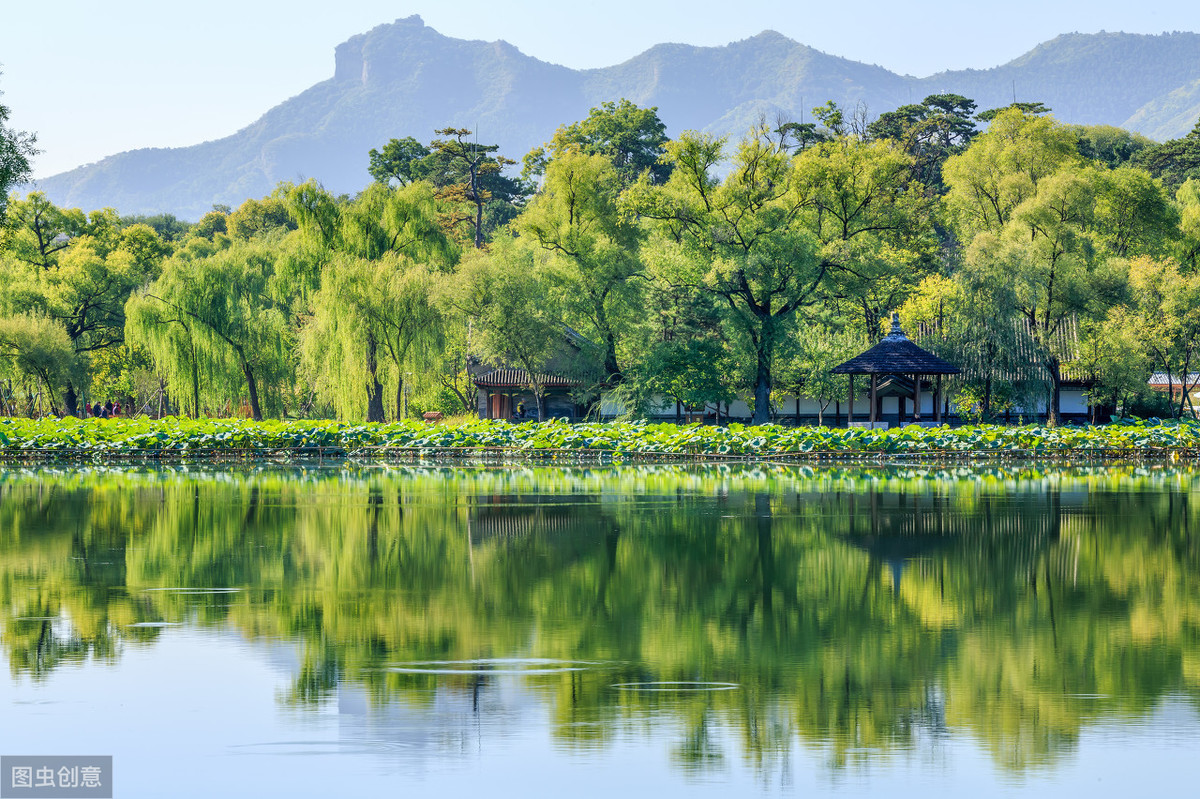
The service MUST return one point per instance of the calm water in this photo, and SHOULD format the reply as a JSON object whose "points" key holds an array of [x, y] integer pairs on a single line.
{"points": [[610, 632]]}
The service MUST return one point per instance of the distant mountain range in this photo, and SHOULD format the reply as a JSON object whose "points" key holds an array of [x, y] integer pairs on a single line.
{"points": [[406, 79]]}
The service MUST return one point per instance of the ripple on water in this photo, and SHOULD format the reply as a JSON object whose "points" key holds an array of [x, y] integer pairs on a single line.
{"points": [[676, 686], [496, 666], [363, 746], [195, 590], [156, 624]]}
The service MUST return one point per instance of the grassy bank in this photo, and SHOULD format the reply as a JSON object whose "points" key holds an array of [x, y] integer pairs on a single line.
{"points": [[176, 439]]}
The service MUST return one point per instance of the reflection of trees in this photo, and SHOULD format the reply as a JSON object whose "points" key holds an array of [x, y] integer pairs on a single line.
{"points": [[860, 610]]}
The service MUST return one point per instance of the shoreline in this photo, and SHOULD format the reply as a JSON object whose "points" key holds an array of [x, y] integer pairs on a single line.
{"points": [[483, 442]]}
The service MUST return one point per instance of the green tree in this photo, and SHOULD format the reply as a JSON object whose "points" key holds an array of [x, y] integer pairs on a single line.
{"points": [[1164, 313], [1174, 161], [371, 318], [377, 257], [36, 351], [468, 172], [874, 226], [238, 331], [400, 160], [1002, 168], [932, 131], [501, 292], [806, 365], [594, 250], [1111, 146], [742, 239], [16, 150], [630, 137]]}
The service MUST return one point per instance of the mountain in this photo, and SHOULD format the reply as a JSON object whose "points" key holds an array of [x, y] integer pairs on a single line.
{"points": [[406, 79]]}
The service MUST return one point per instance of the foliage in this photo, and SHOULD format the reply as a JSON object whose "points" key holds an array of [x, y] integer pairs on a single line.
{"points": [[742, 239], [631, 138], [16, 149], [113, 437]]}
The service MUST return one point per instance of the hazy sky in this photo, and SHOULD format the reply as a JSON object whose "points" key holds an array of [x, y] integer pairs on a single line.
{"points": [[92, 79]]}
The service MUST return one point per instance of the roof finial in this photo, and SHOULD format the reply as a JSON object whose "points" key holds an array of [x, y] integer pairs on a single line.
{"points": [[896, 331]]}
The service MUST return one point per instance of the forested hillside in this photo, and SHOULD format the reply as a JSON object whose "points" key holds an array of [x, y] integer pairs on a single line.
{"points": [[405, 79]]}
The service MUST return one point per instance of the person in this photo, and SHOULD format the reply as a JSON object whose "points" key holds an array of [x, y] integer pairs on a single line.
{"points": [[96, 410], [87, 410], [116, 409], [520, 410], [108, 406]]}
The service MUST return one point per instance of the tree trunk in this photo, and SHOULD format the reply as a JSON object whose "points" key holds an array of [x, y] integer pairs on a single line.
{"points": [[252, 384], [1052, 413], [762, 385], [478, 222], [540, 393], [374, 387], [400, 409]]}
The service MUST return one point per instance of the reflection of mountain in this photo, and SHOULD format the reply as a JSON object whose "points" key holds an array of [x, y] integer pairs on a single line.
{"points": [[863, 610]]}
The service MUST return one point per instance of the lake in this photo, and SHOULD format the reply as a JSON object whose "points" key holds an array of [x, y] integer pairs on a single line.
{"points": [[618, 631]]}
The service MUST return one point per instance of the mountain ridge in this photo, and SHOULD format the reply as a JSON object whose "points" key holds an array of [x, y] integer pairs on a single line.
{"points": [[406, 79]]}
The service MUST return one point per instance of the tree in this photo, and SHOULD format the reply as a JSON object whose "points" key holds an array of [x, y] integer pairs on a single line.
{"points": [[1047, 256], [1028, 109], [37, 230], [630, 137], [16, 149], [369, 317], [502, 293], [1165, 314], [1134, 214], [372, 312], [742, 239], [932, 131], [1002, 168], [594, 256], [78, 270], [400, 160], [466, 171], [1173, 161], [807, 366], [1112, 146], [874, 226], [35, 349], [259, 217], [239, 333]]}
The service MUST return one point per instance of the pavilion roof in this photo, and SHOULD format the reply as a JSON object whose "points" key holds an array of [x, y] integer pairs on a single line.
{"points": [[519, 378], [896, 355]]}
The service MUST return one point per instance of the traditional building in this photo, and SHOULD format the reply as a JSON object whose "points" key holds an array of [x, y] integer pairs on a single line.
{"points": [[898, 369]]}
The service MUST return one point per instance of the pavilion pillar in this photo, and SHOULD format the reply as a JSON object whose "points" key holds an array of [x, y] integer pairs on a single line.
{"points": [[917, 399], [937, 401], [874, 398], [850, 405]]}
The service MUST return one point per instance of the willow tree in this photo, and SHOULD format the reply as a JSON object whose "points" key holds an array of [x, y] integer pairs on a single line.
{"points": [[594, 249], [36, 352], [501, 291], [373, 314], [372, 319], [743, 239], [1002, 168], [239, 334], [165, 332]]}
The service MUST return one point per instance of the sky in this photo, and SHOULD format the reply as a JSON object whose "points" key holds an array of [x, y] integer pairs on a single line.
{"points": [[92, 79]]}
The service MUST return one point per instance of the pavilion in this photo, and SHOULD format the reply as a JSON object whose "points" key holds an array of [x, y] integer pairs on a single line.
{"points": [[897, 367]]}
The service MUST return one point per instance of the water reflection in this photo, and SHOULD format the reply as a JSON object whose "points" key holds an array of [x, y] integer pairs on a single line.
{"points": [[860, 612]]}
